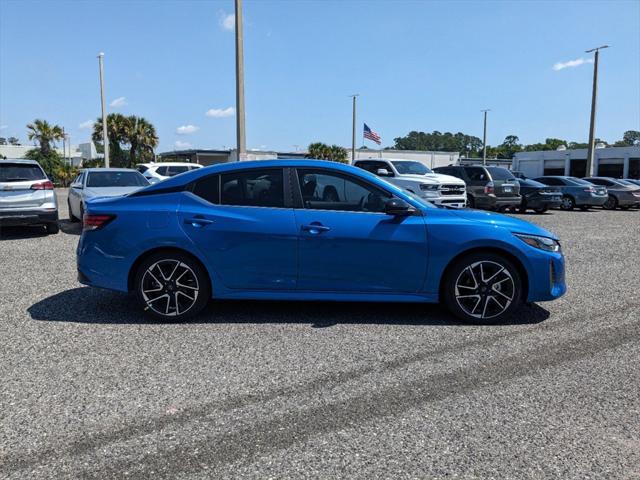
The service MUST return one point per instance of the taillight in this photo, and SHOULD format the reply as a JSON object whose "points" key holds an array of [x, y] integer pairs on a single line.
{"points": [[489, 188], [95, 222], [48, 185], [590, 190]]}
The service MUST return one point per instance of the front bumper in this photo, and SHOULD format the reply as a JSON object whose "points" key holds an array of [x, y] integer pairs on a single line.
{"points": [[455, 201], [547, 277], [628, 200], [28, 217]]}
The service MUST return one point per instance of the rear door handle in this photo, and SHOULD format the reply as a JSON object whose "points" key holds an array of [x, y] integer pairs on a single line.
{"points": [[198, 221], [315, 229]]}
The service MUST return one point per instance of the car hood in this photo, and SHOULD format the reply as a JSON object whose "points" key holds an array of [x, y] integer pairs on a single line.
{"points": [[514, 225], [440, 177], [94, 192]]}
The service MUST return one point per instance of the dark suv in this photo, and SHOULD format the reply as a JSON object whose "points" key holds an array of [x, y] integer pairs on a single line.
{"points": [[493, 188]]}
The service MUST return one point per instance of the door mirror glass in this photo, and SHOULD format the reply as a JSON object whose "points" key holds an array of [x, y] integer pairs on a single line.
{"points": [[383, 172], [398, 207]]}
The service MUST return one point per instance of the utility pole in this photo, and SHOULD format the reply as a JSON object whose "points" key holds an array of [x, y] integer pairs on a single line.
{"points": [[353, 129], [594, 98], [484, 138], [64, 147], [240, 126], [105, 137]]}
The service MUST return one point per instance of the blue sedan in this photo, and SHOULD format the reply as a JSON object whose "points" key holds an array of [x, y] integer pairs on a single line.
{"points": [[310, 230]]}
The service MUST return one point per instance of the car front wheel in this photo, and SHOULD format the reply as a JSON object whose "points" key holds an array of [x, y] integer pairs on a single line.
{"points": [[172, 286], [483, 288], [611, 203]]}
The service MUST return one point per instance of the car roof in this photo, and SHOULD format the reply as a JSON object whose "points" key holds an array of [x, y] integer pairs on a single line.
{"points": [[26, 161], [109, 170], [159, 164]]}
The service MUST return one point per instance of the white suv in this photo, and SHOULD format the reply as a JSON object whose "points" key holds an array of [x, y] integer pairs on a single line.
{"points": [[163, 170], [419, 180]]}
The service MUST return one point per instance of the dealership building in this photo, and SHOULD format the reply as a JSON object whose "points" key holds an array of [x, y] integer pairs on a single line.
{"points": [[616, 162]]}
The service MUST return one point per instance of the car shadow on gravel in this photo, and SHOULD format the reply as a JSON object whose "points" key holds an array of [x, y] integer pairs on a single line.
{"points": [[17, 233], [90, 305]]}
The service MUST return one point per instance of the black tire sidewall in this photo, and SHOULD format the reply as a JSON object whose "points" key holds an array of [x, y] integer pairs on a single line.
{"points": [[448, 287], [204, 295]]}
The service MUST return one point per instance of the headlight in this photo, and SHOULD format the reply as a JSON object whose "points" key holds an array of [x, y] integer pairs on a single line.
{"points": [[428, 187], [543, 243]]}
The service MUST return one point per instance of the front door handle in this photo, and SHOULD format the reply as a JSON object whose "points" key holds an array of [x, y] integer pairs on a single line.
{"points": [[198, 221], [315, 228]]}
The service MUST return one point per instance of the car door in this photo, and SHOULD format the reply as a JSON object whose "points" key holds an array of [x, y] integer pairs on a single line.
{"points": [[75, 195], [348, 243], [242, 224]]}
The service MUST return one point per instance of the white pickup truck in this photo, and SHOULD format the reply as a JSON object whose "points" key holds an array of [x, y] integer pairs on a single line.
{"points": [[419, 180]]}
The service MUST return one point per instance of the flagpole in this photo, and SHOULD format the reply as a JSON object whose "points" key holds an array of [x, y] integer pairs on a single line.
{"points": [[353, 129]]}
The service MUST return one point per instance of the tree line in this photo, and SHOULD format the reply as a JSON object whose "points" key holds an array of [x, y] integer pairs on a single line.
{"points": [[470, 146]]}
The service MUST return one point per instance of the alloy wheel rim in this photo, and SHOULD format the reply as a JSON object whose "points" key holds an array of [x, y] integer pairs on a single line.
{"points": [[566, 203], [170, 287], [485, 289]]}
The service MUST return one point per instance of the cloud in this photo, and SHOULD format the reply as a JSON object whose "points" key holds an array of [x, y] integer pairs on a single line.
{"points": [[572, 63], [2, 127], [220, 112], [85, 125], [187, 129], [118, 102], [181, 144], [227, 22]]}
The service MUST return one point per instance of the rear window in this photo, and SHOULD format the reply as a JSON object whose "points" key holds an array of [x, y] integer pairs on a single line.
{"points": [[20, 172], [578, 181], [116, 179], [498, 173], [530, 183]]}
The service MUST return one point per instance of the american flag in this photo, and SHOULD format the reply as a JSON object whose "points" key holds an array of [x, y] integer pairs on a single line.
{"points": [[371, 135]]}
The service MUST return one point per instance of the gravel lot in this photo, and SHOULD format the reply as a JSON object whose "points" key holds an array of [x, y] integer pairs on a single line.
{"points": [[310, 390]]}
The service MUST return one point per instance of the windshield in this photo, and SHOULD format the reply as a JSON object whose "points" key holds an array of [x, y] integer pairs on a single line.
{"points": [[499, 173], [20, 172], [578, 181], [116, 179], [421, 201], [411, 168]]}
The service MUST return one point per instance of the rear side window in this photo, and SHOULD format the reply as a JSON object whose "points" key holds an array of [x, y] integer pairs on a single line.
{"points": [[20, 172], [162, 171], [498, 173], [175, 170], [255, 188], [476, 174], [208, 189]]}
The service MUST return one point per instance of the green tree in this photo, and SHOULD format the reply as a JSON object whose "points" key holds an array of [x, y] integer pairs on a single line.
{"points": [[141, 136], [45, 134], [323, 151], [14, 141], [135, 132], [629, 139], [467, 145]]}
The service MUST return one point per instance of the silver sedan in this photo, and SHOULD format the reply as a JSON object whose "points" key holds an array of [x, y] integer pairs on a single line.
{"points": [[101, 182]]}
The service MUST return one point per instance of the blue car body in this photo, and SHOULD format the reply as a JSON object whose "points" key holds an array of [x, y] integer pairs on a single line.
{"points": [[301, 253]]}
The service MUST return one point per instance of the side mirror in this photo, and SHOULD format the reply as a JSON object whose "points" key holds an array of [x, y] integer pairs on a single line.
{"points": [[398, 207], [77, 186], [383, 172]]}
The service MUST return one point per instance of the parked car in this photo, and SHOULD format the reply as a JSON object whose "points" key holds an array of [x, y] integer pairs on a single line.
{"points": [[250, 230], [163, 170], [419, 179], [576, 192], [621, 193], [538, 196], [518, 174], [27, 196], [634, 181], [493, 188], [101, 182]]}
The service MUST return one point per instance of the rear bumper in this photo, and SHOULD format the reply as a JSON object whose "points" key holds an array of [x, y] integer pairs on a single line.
{"points": [[494, 202], [28, 217]]}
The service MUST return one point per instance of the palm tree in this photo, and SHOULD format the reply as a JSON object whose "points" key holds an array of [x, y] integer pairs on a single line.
{"points": [[140, 135], [323, 151], [44, 133]]}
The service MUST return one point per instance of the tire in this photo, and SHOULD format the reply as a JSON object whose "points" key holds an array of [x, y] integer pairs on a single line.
{"points": [[176, 277], [471, 202], [568, 203], [522, 208], [541, 209], [52, 228], [492, 301], [611, 203], [71, 216]]}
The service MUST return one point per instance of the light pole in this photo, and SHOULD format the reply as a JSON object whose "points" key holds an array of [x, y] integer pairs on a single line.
{"points": [[594, 98], [484, 138], [105, 137], [353, 129], [240, 127]]}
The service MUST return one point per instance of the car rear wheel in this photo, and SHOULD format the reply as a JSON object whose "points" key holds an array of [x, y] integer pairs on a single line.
{"points": [[483, 288], [541, 209], [471, 202], [611, 203], [172, 286], [567, 203]]}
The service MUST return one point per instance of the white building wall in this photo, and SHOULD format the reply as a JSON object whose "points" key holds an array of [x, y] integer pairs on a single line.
{"points": [[430, 159]]}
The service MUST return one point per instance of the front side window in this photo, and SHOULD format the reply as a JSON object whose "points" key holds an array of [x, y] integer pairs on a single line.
{"points": [[322, 190], [256, 188], [162, 170]]}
